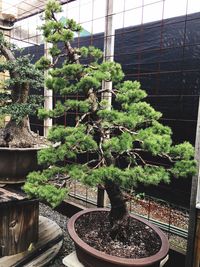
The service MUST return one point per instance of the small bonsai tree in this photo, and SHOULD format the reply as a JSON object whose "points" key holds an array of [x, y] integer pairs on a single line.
{"points": [[15, 99], [113, 142]]}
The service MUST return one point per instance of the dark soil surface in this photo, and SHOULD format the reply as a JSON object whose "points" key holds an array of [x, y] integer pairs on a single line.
{"points": [[141, 241]]}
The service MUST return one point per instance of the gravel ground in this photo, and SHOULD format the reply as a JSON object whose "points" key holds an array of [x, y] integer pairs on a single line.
{"points": [[61, 220]]}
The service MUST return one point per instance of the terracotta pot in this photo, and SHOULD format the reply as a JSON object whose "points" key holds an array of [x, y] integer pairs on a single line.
{"points": [[91, 257], [16, 163]]}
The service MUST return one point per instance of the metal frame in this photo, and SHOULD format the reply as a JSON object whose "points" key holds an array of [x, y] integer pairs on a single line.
{"points": [[34, 8], [195, 193]]}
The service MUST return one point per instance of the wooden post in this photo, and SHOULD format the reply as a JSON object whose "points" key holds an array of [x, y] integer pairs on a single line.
{"points": [[18, 222], [101, 198], [48, 94]]}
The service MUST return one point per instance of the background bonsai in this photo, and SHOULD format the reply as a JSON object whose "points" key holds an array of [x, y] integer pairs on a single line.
{"points": [[106, 145], [15, 100]]}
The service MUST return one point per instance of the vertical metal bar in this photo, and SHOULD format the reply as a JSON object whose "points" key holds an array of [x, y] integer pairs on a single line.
{"points": [[141, 40], [170, 220], [86, 196], [194, 193], [109, 36], [75, 194], [197, 242], [197, 157], [149, 208], [196, 231], [48, 94], [193, 199], [158, 75]]}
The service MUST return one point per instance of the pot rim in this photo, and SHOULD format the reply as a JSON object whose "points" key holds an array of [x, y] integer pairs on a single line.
{"points": [[114, 259]]}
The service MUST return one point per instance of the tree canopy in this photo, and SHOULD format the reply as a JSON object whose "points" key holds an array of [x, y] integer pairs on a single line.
{"points": [[15, 99], [114, 142]]}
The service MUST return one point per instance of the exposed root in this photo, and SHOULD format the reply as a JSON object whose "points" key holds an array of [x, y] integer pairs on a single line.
{"points": [[19, 135]]}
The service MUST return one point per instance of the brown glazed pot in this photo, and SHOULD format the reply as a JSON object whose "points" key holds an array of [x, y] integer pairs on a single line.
{"points": [[91, 257], [16, 163]]}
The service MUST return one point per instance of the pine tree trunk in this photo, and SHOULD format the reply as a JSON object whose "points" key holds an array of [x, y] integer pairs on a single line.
{"points": [[119, 213]]}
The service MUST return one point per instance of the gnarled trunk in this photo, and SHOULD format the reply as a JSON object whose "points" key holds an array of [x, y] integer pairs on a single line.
{"points": [[119, 213], [20, 92], [7, 53], [17, 135]]}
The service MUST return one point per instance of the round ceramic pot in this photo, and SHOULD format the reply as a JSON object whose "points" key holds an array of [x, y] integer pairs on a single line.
{"points": [[91, 257], [16, 163]]}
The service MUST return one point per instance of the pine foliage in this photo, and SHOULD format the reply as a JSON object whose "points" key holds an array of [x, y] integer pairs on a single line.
{"points": [[113, 143]]}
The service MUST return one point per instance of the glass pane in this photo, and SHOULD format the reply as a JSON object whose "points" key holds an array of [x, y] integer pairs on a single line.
{"points": [[153, 12], [86, 7], [133, 17], [175, 8], [99, 9], [193, 6], [130, 4]]}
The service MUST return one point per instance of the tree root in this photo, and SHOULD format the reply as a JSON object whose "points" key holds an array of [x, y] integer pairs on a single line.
{"points": [[19, 135]]}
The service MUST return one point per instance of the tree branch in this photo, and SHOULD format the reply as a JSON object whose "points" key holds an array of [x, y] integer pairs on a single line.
{"points": [[167, 157], [140, 158], [91, 161], [72, 55], [57, 58], [82, 118]]}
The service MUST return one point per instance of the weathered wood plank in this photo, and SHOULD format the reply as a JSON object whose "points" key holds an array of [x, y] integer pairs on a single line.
{"points": [[45, 257], [48, 245], [18, 226], [8, 195]]}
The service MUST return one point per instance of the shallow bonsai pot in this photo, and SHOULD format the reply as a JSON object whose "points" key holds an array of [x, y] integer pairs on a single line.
{"points": [[16, 163], [91, 257]]}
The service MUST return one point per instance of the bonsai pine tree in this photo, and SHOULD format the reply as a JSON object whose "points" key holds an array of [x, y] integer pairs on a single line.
{"points": [[108, 145], [15, 100]]}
